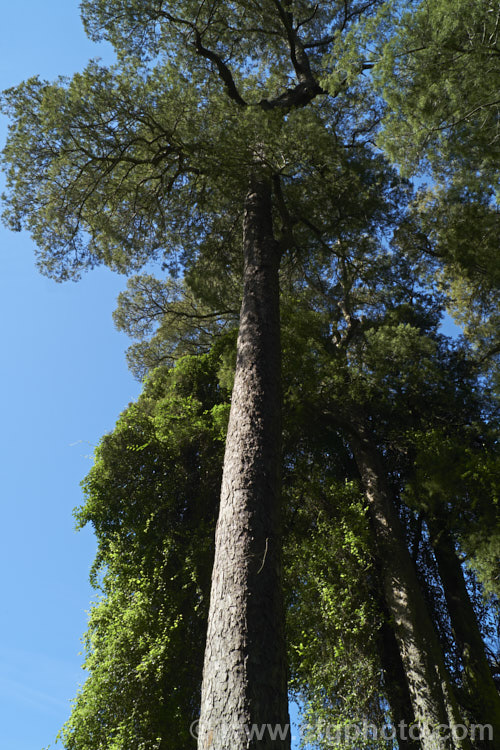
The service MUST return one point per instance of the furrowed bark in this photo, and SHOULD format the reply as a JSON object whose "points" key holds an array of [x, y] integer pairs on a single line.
{"points": [[433, 702], [244, 695], [480, 688]]}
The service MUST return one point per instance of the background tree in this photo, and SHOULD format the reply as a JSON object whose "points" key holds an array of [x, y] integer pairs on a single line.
{"points": [[387, 365], [439, 74], [152, 498]]}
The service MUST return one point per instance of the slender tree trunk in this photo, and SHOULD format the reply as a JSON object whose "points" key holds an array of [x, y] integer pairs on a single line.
{"points": [[244, 695], [432, 698], [480, 688]]}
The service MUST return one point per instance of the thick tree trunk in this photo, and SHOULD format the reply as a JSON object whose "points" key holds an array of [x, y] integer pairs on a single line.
{"points": [[244, 695], [481, 693], [432, 698]]}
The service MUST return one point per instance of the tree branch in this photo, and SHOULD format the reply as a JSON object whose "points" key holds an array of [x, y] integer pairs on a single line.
{"points": [[222, 68], [299, 58]]}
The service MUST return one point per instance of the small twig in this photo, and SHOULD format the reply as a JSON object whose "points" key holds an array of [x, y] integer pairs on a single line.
{"points": [[264, 558]]}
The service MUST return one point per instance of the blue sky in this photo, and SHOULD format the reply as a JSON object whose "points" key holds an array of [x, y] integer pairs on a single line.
{"points": [[64, 381]]}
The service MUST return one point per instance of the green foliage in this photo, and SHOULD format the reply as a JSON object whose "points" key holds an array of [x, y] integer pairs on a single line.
{"points": [[333, 617], [452, 234], [102, 157], [152, 499], [149, 159], [456, 480], [439, 74], [438, 69], [169, 321]]}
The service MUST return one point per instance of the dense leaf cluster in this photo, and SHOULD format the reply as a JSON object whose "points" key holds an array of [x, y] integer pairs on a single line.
{"points": [[152, 499]]}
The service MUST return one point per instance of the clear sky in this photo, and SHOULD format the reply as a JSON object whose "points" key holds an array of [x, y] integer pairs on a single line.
{"points": [[64, 382]]}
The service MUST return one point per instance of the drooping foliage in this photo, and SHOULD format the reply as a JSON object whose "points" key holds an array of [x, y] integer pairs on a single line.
{"points": [[438, 69], [168, 320], [149, 159], [439, 74], [152, 499]]}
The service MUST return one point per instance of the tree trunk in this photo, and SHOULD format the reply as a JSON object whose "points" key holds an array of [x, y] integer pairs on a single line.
{"points": [[244, 695], [433, 702], [481, 692], [396, 687]]}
